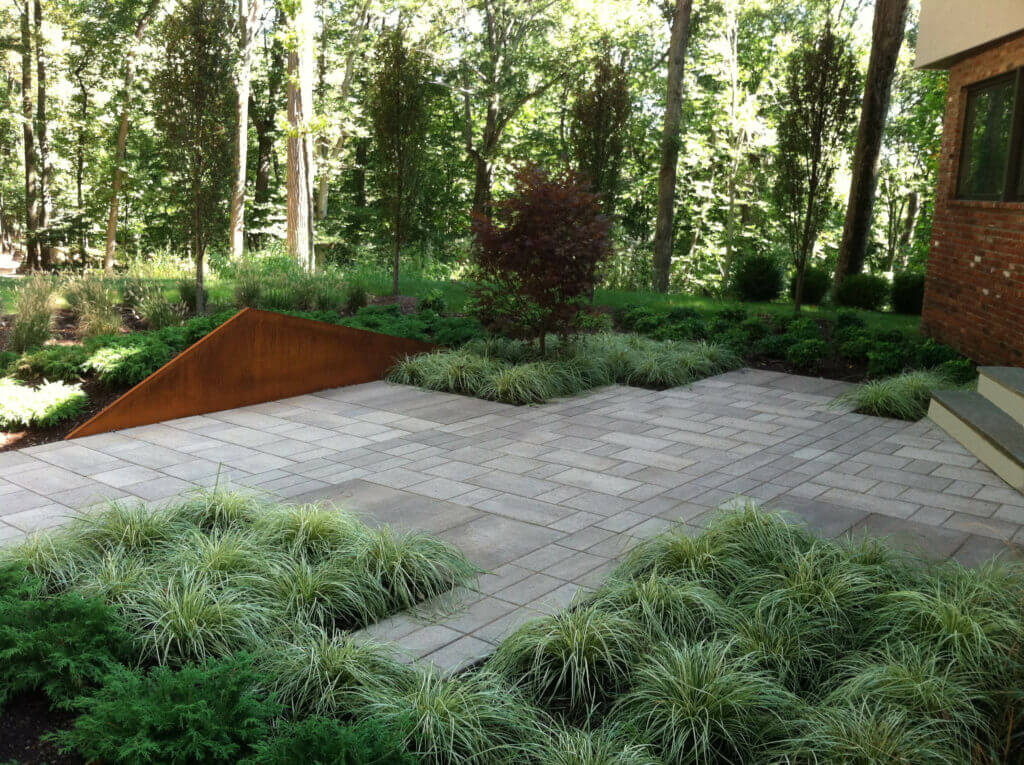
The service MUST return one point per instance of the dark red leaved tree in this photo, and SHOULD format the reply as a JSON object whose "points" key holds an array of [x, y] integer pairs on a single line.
{"points": [[538, 255]]}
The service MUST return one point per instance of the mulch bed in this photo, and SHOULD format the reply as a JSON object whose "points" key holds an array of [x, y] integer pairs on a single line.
{"points": [[22, 721]]}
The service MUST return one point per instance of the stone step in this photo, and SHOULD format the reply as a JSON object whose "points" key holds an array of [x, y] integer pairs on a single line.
{"points": [[1004, 387], [985, 430]]}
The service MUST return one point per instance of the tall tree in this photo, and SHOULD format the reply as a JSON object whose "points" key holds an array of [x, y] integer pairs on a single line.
{"points": [[597, 137], [664, 228], [120, 152], [822, 83], [195, 101], [300, 141], [29, 137], [508, 64], [264, 103], [249, 14], [44, 204], [888, 29], [397, 109]]}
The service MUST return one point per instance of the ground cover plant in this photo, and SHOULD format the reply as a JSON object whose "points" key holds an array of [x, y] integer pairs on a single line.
{"points": [[903, 397], [517, 372]]}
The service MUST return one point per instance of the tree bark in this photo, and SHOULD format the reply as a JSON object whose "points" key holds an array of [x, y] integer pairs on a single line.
{"points": [[913, 203], [300, 150], [80, 163], [249, 12], [886, 39], [45, 199], [122, 137], [28, 133], [664, 229]]}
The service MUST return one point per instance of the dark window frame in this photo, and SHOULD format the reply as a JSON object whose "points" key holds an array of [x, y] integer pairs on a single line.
{"points": [[1013, 188]]}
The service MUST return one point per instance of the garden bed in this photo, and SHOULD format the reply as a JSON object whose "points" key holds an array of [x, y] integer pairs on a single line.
{"points": [[752, 642]]}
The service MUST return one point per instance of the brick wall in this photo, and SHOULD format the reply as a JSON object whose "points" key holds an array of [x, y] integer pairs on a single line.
{"points": [[974, 293]]}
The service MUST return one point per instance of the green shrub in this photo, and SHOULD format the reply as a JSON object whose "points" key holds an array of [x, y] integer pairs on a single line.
{"points": [[187, 292], [433, 301], [573, 660], [325, 741], [701, 703], [773, 346], [209, 713], [930, 353], [857, 347], [356, 296], [865, 291], [33, 306], [807, 355], [125, 360], [134, 289], [886, 359], [905, 397], [817, 282], [54, 362], [159, 312], [757, 278], [959, 371], [908, 292], [7, 365], [59, 644], [44, 406]]}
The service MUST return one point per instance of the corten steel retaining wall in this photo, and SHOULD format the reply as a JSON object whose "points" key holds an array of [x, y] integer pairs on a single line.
{"points": [[255, 356], [974, 292]]}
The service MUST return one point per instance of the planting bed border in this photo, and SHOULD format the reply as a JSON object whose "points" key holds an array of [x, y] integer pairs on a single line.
{"points": [[254, 357]]}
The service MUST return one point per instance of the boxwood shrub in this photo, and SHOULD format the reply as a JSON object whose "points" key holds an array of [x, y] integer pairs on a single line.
{"points": [[908, 292], [817, 282], [866, 291], [757, 278]]}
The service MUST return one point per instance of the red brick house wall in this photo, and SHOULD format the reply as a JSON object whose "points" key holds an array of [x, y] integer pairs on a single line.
{"points": [[974, 292]]}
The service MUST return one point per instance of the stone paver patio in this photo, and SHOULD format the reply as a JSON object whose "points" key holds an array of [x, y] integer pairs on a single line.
{"points": [[545, 498]]}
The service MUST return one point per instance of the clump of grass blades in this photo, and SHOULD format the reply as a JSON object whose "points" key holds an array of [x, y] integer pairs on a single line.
{"points": [[113, 575], [571, 661], [326, 593], [93, 299], [317, 672], [219, 508], [758, 540], [862, 734], [188, 618], [531, 383], [702, 702], [904, 397], [477, 719], [220, 554], [667, 607], [33, 308], [57, 559], [679, 554], [907, 678], [605, 746], [311, 530], [129, 527], [412, 567], [453, 371]]}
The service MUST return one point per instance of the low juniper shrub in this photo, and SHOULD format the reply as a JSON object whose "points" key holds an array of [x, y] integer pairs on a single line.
{"points": [[208, 713], [326, 741], [807, 355]]}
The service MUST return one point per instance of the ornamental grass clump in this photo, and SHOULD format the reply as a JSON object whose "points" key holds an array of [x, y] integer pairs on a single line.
{"points": [[903, 397], [572, 661], [321, 672], [33, 308], [604, 746], [704, 702], [667, 607], [477, 718]]}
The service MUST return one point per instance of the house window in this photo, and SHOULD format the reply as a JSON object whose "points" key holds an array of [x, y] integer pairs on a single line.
{"points": [[991, 157]]}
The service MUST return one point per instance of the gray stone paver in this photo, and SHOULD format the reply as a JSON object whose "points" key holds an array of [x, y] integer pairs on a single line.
{"points": [[545, 498]]}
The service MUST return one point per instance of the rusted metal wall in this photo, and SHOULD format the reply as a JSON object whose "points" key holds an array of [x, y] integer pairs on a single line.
{"points": [[253, 357]]}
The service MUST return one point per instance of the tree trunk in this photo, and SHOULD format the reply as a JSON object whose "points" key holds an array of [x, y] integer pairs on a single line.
{"points": [[482, 186], [122, 137], [264, 149], [249, 13], [397, 250], [300, 150], [28, 132], [198, 250], [45, 202], [913, 202], [886, 39], [80, 169], [664, 229]]}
